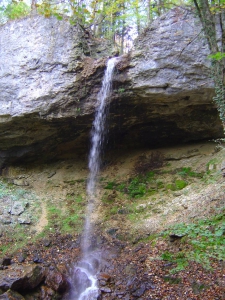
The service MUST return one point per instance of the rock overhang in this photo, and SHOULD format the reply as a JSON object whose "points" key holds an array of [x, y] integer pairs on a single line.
{"points": [[162, 91]]}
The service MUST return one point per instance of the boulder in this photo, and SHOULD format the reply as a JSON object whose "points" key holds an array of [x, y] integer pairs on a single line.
{"points": [[21, 278], [56, 281]]}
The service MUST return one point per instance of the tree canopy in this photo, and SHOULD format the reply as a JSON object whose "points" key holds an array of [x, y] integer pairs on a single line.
{"points": [[118, 20]]}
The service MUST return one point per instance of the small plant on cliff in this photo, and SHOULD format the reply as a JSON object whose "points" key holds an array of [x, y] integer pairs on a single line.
{"points": [[136, 188], [121, 90], [187, 171], [177, 185]]}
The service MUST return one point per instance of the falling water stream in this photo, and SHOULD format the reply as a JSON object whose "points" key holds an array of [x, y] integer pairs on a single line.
{"points": [[85, 273]]}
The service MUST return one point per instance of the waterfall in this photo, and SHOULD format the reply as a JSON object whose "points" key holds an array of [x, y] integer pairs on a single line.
{"points": [[84, 277]]}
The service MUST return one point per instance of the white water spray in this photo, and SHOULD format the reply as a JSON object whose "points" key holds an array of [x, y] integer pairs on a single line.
{"points": [[85, 281]]}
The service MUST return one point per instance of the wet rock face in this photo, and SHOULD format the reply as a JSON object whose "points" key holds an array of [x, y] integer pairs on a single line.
{"points": [[52, 71]]}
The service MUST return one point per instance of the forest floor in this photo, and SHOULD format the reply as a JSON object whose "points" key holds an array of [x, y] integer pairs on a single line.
{"points": [[160, 216]]}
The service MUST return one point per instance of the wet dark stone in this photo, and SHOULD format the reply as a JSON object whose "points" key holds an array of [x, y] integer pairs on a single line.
{"points": [[104, 276], [130, 281], [138, 248], [142, 258], [37, 259], [47, 293], [11, 295], [73, 246], [57, 281], [106, 290], [80, 281], [46, 243], [150, 286], [99, 296], [112, 231], [6, 261], [102, 283], [22, 257], [123, 211], [119, 293], [175, 237], [21, 277], [139, 292]]}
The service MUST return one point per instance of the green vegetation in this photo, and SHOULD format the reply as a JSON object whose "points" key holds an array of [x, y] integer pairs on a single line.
{"points": [[14, 10], [177, 185], [19, 237], [146, 186], [119, 20], [150, 183], [67, 220], [186, 171], [203, 241], [111, 185], [121, 90], [135, 187]]}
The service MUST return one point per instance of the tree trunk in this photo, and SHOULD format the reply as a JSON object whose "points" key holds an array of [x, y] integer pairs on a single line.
{"points": [[138, 18], [149, 12], [209, 27], [34, 7]]}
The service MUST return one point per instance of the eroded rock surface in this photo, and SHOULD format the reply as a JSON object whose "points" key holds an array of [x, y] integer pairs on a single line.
{"points": [[43, 82], [166, 93], [51, 73]]}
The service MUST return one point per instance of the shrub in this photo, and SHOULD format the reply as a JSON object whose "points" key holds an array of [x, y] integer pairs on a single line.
{"points": [[17, 10]]}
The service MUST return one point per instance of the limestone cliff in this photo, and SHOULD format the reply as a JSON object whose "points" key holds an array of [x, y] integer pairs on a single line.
{"points": [[51, 72], [167, 91]]}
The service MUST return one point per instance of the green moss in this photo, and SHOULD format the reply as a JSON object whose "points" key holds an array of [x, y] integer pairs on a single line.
{"points": [[177, 185], [186, 171], [180, 184], [171, 186]]}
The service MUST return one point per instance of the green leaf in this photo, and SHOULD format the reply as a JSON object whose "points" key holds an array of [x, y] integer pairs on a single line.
{"points": [[217, 56]]}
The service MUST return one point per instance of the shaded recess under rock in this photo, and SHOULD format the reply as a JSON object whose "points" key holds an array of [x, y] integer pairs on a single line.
{"points": [[162, 89]]}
